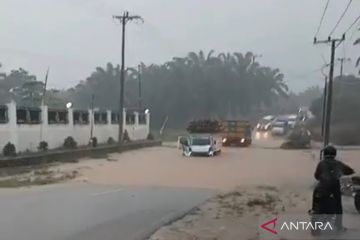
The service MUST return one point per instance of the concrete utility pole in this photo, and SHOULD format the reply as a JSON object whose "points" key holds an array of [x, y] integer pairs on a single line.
{"points": [[140, 93], [92, 118], [324, 101], [342, 60], [326, 137], [124, 19], [43, 101]]}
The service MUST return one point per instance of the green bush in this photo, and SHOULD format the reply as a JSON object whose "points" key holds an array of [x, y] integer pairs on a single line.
{"points": [[150, 136], [299, 138], [9, 150], [110, 140], [43, 146], [126, 137], [70, 143]]}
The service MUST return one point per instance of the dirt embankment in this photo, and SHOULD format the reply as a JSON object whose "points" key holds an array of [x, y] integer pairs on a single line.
{"points": [[233, 215]]}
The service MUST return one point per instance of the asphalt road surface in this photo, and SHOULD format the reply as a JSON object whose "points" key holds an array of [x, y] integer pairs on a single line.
{"points": [[89, 212]]}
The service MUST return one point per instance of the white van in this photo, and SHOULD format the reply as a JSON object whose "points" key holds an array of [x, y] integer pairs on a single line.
{"points": [[202, 145]]}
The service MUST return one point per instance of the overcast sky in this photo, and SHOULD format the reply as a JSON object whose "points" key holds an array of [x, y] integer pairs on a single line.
{"points": [[75, 36]]}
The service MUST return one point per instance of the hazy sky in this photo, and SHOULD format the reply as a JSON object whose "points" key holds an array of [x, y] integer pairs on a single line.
{"points": [[75, 36]]}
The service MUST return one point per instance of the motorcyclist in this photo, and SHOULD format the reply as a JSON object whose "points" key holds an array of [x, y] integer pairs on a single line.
{"points": [[327, 194]]}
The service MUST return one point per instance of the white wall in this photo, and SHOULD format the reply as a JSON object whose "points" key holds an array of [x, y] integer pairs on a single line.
{"points": [[27, 136]]}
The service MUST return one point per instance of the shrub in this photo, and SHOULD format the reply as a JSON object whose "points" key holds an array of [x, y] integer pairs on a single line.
{"points": [[43, 146], [299, 138], [110, 140], [150, 136], [70, 143], [9, 150], [126, 137]]}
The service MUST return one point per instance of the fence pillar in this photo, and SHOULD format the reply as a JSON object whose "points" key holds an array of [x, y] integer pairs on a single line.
{"points": [[71, 117], [13, 124]]}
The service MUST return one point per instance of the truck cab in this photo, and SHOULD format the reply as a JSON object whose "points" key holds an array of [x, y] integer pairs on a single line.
{"points": [[236, 132]]}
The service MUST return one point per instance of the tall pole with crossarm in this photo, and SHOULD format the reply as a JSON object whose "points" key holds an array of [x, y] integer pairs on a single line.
{"points": [[124, 19]]}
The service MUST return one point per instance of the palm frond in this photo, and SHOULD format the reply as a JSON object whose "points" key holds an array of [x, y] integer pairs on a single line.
{"points": [[211, 52]]}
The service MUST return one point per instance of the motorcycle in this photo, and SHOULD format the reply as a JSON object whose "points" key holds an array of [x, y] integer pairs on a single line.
{"points": [[350, 186]]}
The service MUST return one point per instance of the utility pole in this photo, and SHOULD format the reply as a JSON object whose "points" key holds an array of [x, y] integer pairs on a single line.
{"points": [[140, 94], [329, 89], [324, 107], [342, 60], [43, 102], [124, 19], [324, 100], [92, 118]]}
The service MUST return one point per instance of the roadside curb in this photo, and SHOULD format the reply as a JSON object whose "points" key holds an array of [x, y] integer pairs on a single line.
{"points": [[170, 220], [319, 145]]}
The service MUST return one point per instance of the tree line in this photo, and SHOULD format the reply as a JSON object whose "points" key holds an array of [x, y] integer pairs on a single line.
{"points": [[199, 85], [196, 86]]}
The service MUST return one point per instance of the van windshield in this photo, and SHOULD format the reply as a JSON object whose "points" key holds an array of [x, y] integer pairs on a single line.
{"points": [[200, 141]]}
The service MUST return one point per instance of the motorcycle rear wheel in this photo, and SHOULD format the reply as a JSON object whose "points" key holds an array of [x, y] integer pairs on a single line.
{"points": [[357, 201]]}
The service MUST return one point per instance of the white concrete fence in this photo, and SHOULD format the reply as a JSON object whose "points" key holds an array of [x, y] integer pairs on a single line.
{"points": [[27, 127]]}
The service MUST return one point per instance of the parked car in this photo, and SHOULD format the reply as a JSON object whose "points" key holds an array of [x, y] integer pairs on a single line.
{"points": [[292, 119], [265, 123], [204, 145], [279, 127]]}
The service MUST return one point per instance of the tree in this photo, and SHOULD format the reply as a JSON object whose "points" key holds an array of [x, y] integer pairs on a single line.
{"points": [[18, 85], [346, 101], [29, 93], [199, 85]]}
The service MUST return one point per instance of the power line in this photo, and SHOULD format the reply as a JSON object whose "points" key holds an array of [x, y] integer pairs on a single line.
{"points": [[306, 74], [322, 56], [349, 40], [356, 20], [322, 18], [341, 17], [354, 31]]}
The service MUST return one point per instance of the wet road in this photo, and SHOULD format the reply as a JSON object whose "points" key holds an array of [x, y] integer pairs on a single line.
{"points": [[89, 212], [104, 209]]}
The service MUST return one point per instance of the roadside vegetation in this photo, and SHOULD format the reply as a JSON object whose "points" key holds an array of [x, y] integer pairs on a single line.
{"points": [[345, 123], [34, 175]]}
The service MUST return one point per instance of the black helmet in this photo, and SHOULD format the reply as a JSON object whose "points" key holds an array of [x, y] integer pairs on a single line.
{"points": [[329, 151]]}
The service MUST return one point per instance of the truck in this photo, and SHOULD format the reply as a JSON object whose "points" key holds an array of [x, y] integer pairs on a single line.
{"points": [[236, 132]]}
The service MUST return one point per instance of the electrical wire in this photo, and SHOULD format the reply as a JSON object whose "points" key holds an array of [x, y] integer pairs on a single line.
{"points": [[356, 20], [322, 18], [341, 17], [357, 28], [306, 74], [349, 40]]}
